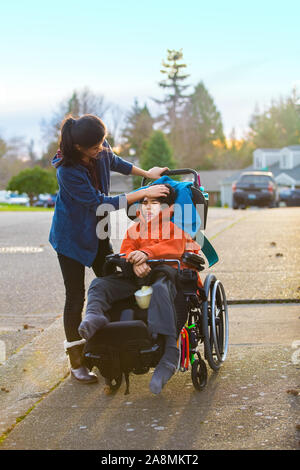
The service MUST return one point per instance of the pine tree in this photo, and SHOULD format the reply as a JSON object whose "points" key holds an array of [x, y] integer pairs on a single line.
{"points": [[156, 152], [139, 127], [174, 99], [73, 105], [201, 126]]}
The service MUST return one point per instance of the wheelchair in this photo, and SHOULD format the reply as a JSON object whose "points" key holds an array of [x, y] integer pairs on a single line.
{"points": [[126, 345]]}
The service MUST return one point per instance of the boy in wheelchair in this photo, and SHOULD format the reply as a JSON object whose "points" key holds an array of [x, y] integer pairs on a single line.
{"points": [[154, 236]]}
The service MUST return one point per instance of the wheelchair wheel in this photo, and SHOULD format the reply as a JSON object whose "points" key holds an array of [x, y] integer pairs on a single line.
{"points": [[199, 374], [215, 323]]}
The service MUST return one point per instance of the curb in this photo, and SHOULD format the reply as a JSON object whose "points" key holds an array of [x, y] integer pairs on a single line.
{"points": [[29, 375], [262, 301]]}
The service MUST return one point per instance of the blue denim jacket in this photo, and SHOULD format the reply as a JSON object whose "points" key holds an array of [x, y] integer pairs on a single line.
{"points": [[73, 229]]}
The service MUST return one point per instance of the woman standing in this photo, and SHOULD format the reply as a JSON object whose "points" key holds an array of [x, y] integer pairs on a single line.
{"points": [[84, 163]]}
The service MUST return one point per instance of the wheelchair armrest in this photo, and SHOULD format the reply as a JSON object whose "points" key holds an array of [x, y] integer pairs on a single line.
{"points": [[114, 257], [194, 260], [164, 261], [117, 259]]}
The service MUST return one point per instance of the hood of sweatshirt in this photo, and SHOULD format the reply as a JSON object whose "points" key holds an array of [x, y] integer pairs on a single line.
{"points": [[56, 160]]}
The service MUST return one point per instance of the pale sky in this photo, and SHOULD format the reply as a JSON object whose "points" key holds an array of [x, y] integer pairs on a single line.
{"points": [[245, 52]]}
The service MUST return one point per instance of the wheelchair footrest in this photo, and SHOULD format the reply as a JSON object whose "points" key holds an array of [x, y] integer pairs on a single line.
{"points": [[150, 351], [121, 348]]}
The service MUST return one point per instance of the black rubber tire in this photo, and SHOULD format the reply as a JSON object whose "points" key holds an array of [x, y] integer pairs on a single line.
{"points": [[215, 350], [114, 384], [199, 374], [215, 334], [206, 329]]}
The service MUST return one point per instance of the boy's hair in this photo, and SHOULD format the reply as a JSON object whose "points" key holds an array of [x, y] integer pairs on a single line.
{"points": [[169, 198]]}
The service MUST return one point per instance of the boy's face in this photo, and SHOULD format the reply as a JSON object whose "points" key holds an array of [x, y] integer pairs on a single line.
{"points": [[150, 207]]}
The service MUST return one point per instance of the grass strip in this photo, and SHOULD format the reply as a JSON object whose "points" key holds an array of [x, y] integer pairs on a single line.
{"points": [[4, 207]]}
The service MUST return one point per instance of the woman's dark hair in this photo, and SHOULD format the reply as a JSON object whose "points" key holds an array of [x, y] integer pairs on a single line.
{"points": [[86, 131]]}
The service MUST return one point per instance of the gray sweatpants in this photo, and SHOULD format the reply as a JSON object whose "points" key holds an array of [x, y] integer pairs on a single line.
{"points": [[104, 291]]}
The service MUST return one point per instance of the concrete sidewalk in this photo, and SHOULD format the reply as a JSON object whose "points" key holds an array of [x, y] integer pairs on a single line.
{"points": [[260, 256], [31, 373], [251, 403], [245, 405]]}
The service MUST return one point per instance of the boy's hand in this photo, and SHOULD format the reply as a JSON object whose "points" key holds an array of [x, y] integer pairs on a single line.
{"points": [[137, 257], [141, 270]]}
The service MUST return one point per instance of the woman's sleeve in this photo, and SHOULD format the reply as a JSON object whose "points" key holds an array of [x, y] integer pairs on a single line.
{"points": [[79, 188], [117, 163]]}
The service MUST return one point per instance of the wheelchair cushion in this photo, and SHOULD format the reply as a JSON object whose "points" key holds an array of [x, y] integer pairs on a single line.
{"points": [[119, 333], [134, 313], [118, 306], [127, 315]]}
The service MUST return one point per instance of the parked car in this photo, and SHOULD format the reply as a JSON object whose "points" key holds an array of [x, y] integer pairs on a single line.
{"points": [[255, 188], [21, 199], [4, 196], [45, 200], [291, 197]]}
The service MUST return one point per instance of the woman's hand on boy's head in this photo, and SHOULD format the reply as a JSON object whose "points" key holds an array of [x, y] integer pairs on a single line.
{"points": [[141, 270], [156, 191], [137, 257]]}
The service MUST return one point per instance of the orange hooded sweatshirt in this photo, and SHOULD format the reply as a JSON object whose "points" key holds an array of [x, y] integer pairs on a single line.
{"points": [[159, 238]]}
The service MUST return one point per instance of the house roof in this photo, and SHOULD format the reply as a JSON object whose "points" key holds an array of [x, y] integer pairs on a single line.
{"points": [[293, 173], [234, 176], [294, 147], [291, 147], [268, 149], [275, 169], [211, 180]]}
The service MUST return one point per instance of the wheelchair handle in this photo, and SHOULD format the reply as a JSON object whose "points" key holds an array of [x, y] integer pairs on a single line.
{"points": [[182, 171]]}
